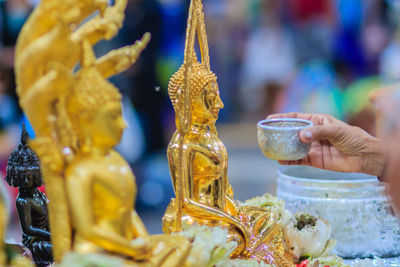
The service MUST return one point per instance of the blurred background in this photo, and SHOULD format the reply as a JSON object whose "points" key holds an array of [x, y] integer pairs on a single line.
{"points": [[270, 56]]}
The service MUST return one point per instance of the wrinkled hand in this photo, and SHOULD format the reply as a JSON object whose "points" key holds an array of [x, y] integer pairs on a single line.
{"points": [[337, 146]]}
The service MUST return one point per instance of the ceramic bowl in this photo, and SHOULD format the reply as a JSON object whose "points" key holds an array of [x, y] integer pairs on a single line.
{"points": [[279, 138]]}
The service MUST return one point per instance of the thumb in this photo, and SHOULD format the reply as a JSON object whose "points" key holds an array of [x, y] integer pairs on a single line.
{"points": [[316, 133]]}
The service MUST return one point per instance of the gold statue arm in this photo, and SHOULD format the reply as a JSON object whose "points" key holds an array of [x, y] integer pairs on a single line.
{"points": [[119, 60], [139, 229], [37, 101], [37, 113], [200, 210], [102, 27], [203, 211], [29, 63], [45, 16], [78, 186]]}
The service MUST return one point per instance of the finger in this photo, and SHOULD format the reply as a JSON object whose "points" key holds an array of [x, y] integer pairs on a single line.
{"points": [[326, 132], [294, 115], [283, 115], [146, 39], [306, 136]]}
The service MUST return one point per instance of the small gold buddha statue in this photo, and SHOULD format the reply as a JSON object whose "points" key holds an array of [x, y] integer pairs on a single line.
{"points": [[76, 115], [198, 161]]}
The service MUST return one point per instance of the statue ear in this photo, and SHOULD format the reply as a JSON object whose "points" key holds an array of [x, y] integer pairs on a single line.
{"points": [[179, 100]]}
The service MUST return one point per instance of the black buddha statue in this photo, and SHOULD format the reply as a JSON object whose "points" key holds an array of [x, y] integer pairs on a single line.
{"points": [[23, 171]]}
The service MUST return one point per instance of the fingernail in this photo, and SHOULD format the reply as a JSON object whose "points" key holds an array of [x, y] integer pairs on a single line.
{"points": [[308, 135]]}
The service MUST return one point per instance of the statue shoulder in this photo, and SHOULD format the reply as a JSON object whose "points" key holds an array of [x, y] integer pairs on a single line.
{"points": [[117, 156], [80, 169]]}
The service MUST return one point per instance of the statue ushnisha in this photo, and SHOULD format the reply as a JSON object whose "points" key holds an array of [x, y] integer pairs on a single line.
{"points": [[76, 115], [198, 161]]}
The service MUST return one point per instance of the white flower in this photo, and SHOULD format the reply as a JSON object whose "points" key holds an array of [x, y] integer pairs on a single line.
{"points": [[330, 260], [210, 245], [306, 235]]}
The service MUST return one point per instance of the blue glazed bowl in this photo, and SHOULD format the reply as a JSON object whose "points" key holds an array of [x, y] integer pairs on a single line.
{"points": [[279, 138]]}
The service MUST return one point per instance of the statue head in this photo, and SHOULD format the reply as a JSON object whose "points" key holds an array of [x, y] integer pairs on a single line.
{"points": [[23, 168], [95, 110], [205, 101], [94, 106]]}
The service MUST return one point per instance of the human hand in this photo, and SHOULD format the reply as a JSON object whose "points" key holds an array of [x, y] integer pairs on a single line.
{"points": [[337, 146]]}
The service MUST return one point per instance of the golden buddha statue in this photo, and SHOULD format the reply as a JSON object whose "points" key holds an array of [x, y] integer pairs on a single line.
{"points": [[76, 115], [198, 161], [101, 205], [48, 49]]}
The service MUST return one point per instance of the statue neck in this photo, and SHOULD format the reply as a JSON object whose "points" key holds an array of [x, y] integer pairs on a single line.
{"points": [[23, 192], [89, 149], [199, 127]]}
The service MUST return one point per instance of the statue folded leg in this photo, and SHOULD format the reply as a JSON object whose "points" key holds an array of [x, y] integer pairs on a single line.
{"points": [[41, 252]]}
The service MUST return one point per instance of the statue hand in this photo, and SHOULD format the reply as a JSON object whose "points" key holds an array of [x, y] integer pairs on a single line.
{"points": [[243, 228], [132, 53], [112, 22], [141, 249], [101, 5], [241, 235]]}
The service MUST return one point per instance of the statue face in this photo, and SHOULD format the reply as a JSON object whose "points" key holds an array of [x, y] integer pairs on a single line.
{"points": [[108, 125], [212, 100], [206, 109]]}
